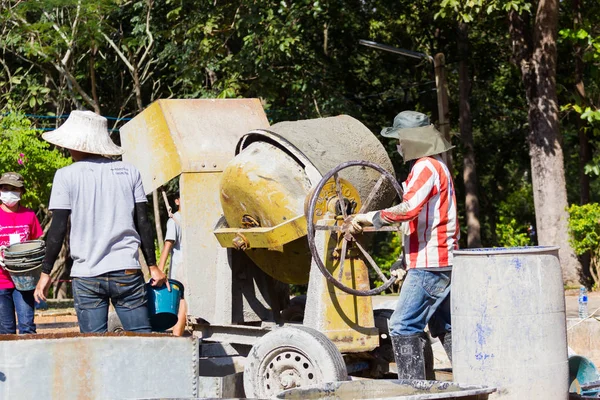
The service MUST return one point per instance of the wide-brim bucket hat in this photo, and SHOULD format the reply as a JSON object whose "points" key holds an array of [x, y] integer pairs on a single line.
{"points": [[84, 131], [417, 136]]}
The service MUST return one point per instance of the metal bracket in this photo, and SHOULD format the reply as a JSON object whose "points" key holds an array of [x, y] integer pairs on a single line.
{"points": [[272, 238]]}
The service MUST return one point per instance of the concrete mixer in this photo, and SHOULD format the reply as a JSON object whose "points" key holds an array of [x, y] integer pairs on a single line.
{"points": [[264, 207]]}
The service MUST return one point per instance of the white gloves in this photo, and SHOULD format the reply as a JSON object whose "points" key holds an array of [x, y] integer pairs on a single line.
{"points": [[360, 220], [399, 274], [398, 270]]}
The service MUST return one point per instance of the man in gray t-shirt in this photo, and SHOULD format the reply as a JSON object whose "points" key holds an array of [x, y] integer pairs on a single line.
{"points": [[106, 203], [176, 271], [101, 194]]}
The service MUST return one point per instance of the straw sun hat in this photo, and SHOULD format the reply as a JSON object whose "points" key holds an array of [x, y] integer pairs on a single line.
{"points": [[84, 131]]}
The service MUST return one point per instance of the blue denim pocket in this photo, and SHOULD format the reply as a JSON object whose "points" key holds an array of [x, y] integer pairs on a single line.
{"points": [[87, 293], [435, 283], [128, 290]]}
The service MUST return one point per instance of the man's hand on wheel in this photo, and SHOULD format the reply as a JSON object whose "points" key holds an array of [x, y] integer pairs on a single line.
{"points": [[359, 220]]}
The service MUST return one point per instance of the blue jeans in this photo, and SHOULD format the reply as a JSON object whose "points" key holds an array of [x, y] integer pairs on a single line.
{"points": [[12, 300], [127, 292], [424, 298]]}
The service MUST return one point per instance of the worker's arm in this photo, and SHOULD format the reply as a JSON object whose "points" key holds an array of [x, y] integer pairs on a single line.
{"points": [[165, 254], [144, 228], [54, 241], [419, 187]]}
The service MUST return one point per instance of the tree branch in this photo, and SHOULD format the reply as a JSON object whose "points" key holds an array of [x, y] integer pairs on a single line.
{"points": [[148, 33], [118, 51]]}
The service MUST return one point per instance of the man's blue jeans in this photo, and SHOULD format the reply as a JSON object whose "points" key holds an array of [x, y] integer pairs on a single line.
{"points": [[424, 298], [127, 292], [12, 300]]}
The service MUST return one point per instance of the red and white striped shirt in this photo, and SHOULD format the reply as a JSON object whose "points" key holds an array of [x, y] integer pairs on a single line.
{"points": [[429, 203]]}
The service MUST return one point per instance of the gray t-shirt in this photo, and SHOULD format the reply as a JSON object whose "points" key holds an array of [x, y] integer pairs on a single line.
{"points": [[174, 234], [101, 194]]}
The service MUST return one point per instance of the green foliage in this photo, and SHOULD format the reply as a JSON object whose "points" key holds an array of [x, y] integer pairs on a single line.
{"points": [[303, 60], [510, 234], [583, 41], [584, 227], [386, 249], [23, 150], [468, 10]]}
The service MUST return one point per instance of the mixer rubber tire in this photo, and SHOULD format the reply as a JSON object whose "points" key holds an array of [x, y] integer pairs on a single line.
{"points": [[291, 357]]}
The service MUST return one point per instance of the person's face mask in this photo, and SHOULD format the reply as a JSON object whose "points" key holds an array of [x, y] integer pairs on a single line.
{"points": [[399, 150], [10, 198]]}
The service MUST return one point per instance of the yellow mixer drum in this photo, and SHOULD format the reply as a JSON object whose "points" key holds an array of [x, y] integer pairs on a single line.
{"points": [[267, 182]]}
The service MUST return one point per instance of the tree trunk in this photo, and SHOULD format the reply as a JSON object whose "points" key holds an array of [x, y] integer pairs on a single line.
{"points": [[93, 83], [466, 133], [536, 57], [441, 84], [138, 98]]}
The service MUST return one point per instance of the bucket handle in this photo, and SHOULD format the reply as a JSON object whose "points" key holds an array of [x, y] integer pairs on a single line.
{"points": [[22, 271]]}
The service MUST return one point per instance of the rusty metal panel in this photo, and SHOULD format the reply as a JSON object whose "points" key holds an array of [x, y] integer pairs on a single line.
{"points": [[80, 367], [199, 135]]}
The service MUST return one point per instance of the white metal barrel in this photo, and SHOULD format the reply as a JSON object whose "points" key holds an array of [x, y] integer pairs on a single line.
{"points": [[508, 322]]}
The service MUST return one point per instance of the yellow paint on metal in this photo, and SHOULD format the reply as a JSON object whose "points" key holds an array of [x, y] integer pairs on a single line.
{"points": [[195, 138], [328, 197], [270, 238], [267, 185], [349, 321], [197, 135], [148, 146]]}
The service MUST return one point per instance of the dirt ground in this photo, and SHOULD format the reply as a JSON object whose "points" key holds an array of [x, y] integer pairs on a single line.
{"points": [[56, 321], [65, 320]]}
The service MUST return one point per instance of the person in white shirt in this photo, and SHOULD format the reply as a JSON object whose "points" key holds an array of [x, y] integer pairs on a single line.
{"points": [[173, 247]]}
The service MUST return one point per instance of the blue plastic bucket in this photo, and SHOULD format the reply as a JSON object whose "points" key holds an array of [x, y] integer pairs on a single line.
{"points": [[164, 304], [27, 279]]}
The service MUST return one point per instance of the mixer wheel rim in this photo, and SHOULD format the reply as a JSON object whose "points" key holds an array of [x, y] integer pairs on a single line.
{"points": [[297, 352], [311, 226]]}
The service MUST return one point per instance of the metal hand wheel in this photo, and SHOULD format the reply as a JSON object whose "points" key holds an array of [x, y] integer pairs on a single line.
{"points": [[348, 240]]}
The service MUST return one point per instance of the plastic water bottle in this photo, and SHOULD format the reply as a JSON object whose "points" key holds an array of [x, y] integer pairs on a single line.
{"points": [[583, 303]]}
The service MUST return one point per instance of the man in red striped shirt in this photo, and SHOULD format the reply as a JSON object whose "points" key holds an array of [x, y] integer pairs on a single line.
{"points": [[429, 217]]}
